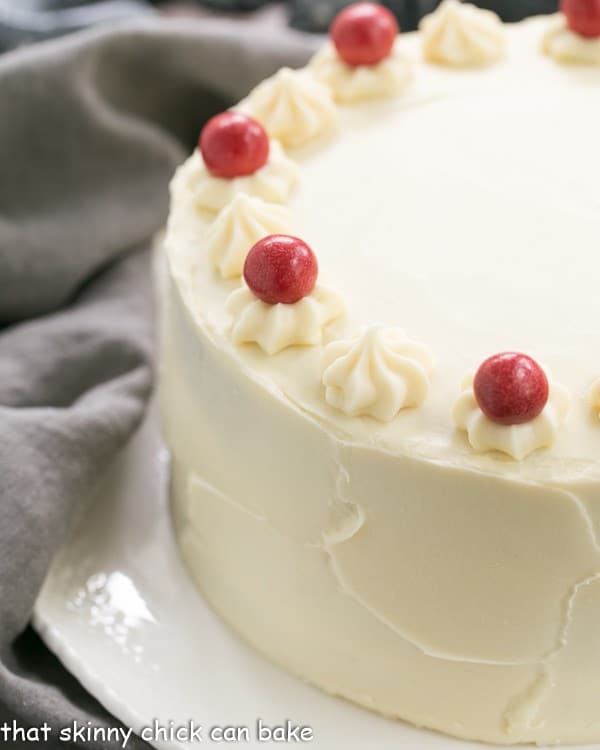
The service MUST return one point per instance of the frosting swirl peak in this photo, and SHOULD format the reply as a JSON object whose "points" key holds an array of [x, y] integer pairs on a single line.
{"points": [[238, 226], [292, 105], [460, 34], [377, 374]]}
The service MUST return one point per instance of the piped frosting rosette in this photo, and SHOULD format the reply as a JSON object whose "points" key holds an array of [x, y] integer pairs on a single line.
{"points": [[234, 155], [353, 83], [462, 35], [378, 373], [510, 406], [363, 59], [595, 397], [238, 227], [567, 46], [276, 327], [293, 106], [273, 182], [281, 305]]}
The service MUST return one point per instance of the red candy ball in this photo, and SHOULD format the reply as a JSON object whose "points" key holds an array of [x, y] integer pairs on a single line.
{"points": [[280, 268], [364, 33], [233, 145], [583, 16], [511, 388]]}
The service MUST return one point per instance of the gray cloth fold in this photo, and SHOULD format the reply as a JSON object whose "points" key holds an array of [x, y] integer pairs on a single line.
{"points": [[91, 129]]}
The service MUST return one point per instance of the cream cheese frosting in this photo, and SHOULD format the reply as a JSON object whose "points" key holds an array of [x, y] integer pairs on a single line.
{"points": [[595, 397], [462, 34], [239, 225], [293, 106], [566, 46], [378, 373], [274, 182], [275, 327], [348, 83], [465, 584], [518, 440]]}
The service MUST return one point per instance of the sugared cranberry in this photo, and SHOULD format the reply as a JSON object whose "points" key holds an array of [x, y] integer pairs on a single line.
{"points": [[364, 33], [281, 268], [233, 145], [511, 388], [583, 16]]}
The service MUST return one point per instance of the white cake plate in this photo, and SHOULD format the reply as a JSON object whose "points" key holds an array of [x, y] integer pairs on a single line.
{"points": [[120, 612]]}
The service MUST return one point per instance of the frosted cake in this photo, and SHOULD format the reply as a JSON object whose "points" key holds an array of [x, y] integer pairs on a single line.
{"points": [[381, 370]]}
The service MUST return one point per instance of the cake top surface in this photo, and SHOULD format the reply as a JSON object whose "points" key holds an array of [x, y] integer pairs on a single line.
{"points": [[465, 212]]}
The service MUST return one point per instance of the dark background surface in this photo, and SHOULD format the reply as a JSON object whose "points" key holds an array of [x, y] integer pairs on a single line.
{"points": [[26, 21]]}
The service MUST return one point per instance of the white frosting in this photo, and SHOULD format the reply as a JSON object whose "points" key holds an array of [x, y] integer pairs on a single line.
{"points": [[275, 327], [595, 397], [238, 227], [378, 373], [348, 83], [566, 46], [293, 106], [463, 217], [518, 440], [274, 182], [462, 34]]}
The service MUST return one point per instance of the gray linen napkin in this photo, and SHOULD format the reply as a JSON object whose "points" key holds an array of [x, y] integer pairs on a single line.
{"points": [[91, 129]]}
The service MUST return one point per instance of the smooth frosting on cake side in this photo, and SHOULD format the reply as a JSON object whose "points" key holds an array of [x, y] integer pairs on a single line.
{"points": [[361, 539]]}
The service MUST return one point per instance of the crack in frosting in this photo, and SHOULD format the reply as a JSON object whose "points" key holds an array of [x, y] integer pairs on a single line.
{"points": [[276, 327], [348, 83], [521, 714], [376, 374], [238, 227], [462, 35], [564, 45], [274, 182], [347, 516], [518, 440], [292, 105], [525, 715]]}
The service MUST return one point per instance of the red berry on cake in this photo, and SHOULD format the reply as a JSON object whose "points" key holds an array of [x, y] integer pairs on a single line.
{"points": [[281, 268], [233, 145], [583, 16], [364, 33], [511, 388]]}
